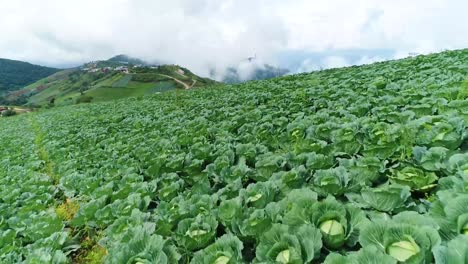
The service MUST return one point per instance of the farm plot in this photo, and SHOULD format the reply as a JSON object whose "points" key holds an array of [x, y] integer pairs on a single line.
{"points": [[363, 164]]}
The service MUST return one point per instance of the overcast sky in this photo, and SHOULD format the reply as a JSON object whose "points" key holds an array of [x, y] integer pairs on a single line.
{"points": [[202, 34]]}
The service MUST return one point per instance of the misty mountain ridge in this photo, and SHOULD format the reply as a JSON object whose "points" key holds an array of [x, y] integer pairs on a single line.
{"points": [[116, 61], [259, 73], [125, 59], [248, 70]]}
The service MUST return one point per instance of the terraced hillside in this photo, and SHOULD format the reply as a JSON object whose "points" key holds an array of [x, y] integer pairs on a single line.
{"points": [[107, 80], [364, 164]]}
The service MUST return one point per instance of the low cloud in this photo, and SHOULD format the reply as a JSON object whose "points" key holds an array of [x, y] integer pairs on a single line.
{"points": [[369, 60], [335, 62], [308, 65]]}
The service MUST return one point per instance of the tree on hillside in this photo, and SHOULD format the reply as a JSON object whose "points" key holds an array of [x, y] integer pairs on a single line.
{"points": [[17, 74], [84, 87]]}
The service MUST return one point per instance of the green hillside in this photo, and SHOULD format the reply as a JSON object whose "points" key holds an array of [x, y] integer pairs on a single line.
{"points": [[363, 164], [107, 80], [17, 74]]}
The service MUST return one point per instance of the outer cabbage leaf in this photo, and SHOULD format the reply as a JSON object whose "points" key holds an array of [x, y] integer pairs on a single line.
{"points": [[266, 165], [451, 213], [458, 164], [440, 131], [347, 139], [334, 181], [366, 169], [196, 233], [319, 161], [260, 194], [432, 159], [338, 223], [415, 178], [386, 198], [453, 252], [139, 246], [226, 249], [254, 222], [297, 207], [282, 245], [46, 255], [288, 180], [405, 242], [368, 255]]}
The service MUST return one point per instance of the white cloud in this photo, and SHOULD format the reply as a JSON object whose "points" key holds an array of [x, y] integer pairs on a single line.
{"points": [[309, 65], [335, 62], [201, 34], [369, 60]]}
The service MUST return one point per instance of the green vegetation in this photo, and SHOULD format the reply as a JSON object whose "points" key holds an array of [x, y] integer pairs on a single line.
{"points": [[356, 165], [82, 86], [123, 82], [9, 112], [149, 77], [84, 99], [111, 93], [17, 74], [161, 87]]}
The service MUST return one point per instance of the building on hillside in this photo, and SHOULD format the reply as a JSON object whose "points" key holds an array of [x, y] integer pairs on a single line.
{"points": [[123, 69]]}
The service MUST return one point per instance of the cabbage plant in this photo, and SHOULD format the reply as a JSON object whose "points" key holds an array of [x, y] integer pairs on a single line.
{"points": [[227, 249], [338, 223], [453, 252], [386, 198], [368, 255], [432, 159], [139, 246], [451, 213], [415, 178], [335, 181], [280, 244], [408, 238], [196, 233], [458, 164]]}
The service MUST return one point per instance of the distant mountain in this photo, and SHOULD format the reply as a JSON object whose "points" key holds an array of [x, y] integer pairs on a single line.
{"points": [[17, 74], [248, 71], [260, 73], [125, 59]]}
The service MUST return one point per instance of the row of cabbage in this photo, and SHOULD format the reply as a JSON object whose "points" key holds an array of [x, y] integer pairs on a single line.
{"points": [[28, 224], [358, 165]]}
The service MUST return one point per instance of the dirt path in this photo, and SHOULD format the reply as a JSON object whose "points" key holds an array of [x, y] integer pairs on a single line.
{"points": [[193, 84], [186, 86], [43, 155]]}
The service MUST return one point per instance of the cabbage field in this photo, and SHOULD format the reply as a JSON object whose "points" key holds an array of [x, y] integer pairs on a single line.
{"points": [[363, 164]]}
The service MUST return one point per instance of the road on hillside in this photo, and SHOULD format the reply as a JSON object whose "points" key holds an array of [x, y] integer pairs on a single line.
{"points": [[194, 82], [186, 86]]}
